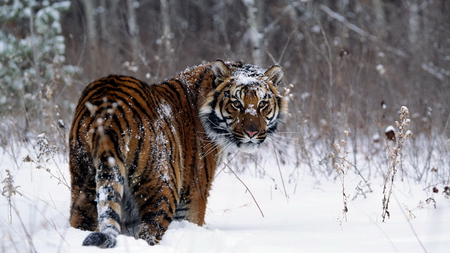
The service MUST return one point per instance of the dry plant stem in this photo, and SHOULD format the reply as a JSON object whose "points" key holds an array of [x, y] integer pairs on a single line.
{"points": [[359, 173], [281, 176], [45, 149], [226, 165], [446, 125], [395, 157], [30, 241], [341, 166], [253, 197], [46, 152], [411, 226], [8, 191], [344, 196]]}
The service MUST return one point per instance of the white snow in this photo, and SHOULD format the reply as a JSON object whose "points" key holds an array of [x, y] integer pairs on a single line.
{"points": [[389, 128], [303, 216], [103, 193], [111, 161], [165, 110], [245, 79], [381, 70], [250, 110]]}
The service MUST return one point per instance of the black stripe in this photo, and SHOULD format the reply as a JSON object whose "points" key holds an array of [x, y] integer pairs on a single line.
{"points": [[102, 86], [185, 209], [173, 87], [161, 199], [121, 113], [273, 128], [111, 226], [113, 136], [149, 217], [137, 155], [214, 101], [109, 213], [111, 194], [108, 176], [119, 93], [170, 84], [201, 79], [151, 201]]}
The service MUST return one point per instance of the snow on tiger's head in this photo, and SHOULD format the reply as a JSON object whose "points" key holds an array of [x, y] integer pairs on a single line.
{"points": [[245, 106]]}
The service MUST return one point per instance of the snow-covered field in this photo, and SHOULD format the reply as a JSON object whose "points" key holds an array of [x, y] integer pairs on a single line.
{"points": [[307, 217]]}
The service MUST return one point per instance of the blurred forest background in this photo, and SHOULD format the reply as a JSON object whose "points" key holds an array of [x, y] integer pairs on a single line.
{"points": [[352, 64]]}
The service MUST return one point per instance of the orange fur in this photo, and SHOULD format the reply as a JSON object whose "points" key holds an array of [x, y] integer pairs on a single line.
{"points": [[144, 155]]}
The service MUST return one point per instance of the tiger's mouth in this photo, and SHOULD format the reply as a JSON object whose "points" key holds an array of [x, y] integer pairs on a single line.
{"points": [[248, 147], [247, 144]]}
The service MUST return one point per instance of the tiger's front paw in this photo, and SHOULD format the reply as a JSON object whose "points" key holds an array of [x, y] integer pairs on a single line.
{"points": [[100, 240], [150, 239]]}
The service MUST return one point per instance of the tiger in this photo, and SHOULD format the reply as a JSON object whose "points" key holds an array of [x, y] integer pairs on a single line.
{"points": [[142, 156]]}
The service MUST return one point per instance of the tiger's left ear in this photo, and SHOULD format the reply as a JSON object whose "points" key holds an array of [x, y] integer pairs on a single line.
{"points": [[221, 71], [275, 74]]}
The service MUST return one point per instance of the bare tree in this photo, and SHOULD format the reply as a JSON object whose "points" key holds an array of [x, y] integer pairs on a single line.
{"points": [[163, 57], [92, 38], [254, 23], [133, 30], [380, 18]]}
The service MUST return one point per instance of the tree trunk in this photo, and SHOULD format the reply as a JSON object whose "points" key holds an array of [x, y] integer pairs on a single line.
{"points": [[134, 32], [255, 36], [92, 38], [380, 19]]}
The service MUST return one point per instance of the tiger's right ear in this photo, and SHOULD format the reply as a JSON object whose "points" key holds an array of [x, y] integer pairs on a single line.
{"points": [[275, 74], [221, 72]]}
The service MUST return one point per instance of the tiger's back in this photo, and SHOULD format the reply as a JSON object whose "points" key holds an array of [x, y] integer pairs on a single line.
{"points": [[141, 155]]}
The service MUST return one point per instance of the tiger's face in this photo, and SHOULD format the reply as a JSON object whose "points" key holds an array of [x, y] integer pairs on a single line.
{"points": [[245, 107]]}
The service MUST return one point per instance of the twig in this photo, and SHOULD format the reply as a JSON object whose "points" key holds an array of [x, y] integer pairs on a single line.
{"points": [[410, 225], [27, 234], [253, 197], [446, 125], [281, 176], [359, 173]]}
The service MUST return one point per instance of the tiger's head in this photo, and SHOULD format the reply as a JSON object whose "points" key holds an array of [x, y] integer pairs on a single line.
{"points": [[245, 106]]}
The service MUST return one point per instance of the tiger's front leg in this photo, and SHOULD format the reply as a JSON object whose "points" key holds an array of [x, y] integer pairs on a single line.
{"points": [[156, 203], [192, 206]]}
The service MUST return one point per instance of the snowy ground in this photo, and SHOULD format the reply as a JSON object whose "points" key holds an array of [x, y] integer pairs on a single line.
{"points": [[309, 220]]}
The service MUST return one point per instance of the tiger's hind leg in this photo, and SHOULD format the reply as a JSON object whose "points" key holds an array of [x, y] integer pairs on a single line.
{"points": [[83, 210], [110, 188]]}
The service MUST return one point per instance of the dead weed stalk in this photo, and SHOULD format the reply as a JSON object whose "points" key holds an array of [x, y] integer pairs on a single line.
{"points": [[395, 156]]}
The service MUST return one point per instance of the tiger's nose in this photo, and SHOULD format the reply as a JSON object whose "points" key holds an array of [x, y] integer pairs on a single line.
{"points": [[250, 133]]}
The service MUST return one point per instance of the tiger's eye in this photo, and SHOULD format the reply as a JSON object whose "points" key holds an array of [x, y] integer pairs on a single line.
{"points": [[237, 105], [263, 104]]}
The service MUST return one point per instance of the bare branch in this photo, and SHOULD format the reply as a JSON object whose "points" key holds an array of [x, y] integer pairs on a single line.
{"points": [[361, 32], [253, 197]]}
